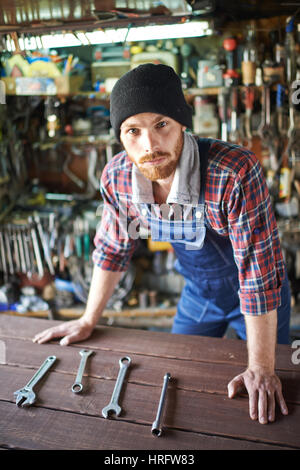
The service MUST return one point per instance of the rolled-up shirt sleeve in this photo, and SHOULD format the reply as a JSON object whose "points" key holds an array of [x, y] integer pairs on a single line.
{"points": [[113, 245], [254, 235]]}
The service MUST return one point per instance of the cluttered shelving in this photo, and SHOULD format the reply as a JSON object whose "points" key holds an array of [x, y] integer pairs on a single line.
{"points": [[57, 140]]}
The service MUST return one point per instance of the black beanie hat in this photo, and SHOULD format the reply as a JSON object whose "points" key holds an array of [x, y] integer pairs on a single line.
{"points": [[149, 88]]}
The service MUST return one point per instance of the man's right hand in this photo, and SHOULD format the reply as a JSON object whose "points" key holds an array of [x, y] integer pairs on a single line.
{"points": [[69, 331]]}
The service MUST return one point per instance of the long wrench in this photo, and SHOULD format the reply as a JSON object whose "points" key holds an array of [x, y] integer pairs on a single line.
{"points": [[36, 248], [13, 235], [3, 258], [8, 252], [77, 385], [27, 252], [44, 245], [25, 396], [21, 250], [113, 406], [156, 426]]}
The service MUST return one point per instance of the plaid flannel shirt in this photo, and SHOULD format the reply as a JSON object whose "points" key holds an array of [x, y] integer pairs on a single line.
{"points": [[238, 206]]}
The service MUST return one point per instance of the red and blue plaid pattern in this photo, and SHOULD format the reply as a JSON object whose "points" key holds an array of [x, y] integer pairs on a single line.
{"points": [[238, 206]]}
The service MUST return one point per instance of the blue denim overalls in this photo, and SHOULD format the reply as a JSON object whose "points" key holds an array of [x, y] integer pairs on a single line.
{"points": [[209, 301]]}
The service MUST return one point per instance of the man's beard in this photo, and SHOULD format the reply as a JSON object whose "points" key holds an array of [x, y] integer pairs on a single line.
{"points": [[164, 169]]}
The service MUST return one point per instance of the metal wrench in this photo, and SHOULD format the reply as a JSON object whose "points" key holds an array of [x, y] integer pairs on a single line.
{"points": [[25, 396], [8, 251], [44, 245], [77, 385], [113, 406], [36, 248], [21, 250], [156, 426], [3, 258]]}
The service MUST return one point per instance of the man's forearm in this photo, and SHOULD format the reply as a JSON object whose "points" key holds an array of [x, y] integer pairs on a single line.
{"points": [[261, 340], [102, 287], [263, 386]]}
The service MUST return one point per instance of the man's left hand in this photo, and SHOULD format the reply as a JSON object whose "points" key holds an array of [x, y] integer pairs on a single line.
{"points": [[264, 389]]}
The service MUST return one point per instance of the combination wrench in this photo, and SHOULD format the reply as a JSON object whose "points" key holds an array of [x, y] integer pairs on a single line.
{"points": [[113, 406], [77, 385]]}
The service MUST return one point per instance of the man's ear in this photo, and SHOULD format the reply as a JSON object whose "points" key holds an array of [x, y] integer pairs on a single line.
{"points": [[183, 128]]}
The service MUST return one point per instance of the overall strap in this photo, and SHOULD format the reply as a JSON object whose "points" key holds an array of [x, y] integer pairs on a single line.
{"points": [[204, 146]]}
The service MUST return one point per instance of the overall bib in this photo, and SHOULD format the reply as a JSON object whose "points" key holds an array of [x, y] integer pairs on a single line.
{"points": [[209, 301]]}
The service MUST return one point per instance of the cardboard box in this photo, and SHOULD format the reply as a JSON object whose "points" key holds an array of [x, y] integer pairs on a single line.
{"points": [[68, 85], [42, 85]]}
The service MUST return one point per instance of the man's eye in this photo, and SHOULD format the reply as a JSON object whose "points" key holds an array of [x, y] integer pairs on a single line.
{"points": [[132, 131], [161, 124]]}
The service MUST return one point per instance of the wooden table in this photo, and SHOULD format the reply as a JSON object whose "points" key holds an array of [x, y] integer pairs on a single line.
{"points": [[198, 413]]}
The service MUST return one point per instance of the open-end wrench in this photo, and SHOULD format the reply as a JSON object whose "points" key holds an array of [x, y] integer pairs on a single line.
{"points": [[44, 245], [29, 264], [16, 257], [8, 251], [77, 385], [21, 250], [113, 406], [25, 396], [36, 248], [156, 426], [3, 258]]}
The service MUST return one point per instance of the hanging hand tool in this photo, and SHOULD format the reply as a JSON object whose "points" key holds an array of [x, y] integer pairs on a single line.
{"points": [[44, 245], [249, 103], [26, 396], [156, 426], [266, 131], [8, 252], [3, 258], [281, 124], [27, 249], [86, 240], [234, 135], [53, 230], [77, 230], [223, 106], [113, 406], [36, 248], [21, 250], [16, 255], [280, 100], [77, 385], [293, 141]]}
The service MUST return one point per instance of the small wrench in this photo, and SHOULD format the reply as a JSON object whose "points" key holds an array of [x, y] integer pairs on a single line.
{"points": [[156, 426], [113, 406], [77, 385], [26, 393]]}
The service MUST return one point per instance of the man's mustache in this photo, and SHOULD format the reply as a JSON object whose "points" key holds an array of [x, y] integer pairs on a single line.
{"points": [[153, 156]]}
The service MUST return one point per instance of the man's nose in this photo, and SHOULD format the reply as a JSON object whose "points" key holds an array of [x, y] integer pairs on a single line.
{"points": [[150, 143]]}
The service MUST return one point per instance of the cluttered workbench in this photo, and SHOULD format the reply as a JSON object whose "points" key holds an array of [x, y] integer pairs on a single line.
{"points": [[197, 413]]}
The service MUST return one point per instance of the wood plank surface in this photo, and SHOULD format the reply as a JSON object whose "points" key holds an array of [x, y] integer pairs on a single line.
{"points": [[198, 413], [144, 370], [157, 344], [185, 410], [44, 429]]}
